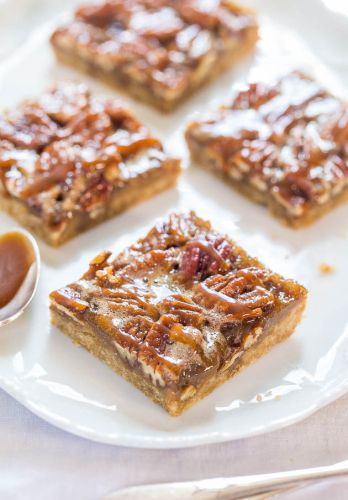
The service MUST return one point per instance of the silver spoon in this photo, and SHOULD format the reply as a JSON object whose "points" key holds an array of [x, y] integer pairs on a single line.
{"points": [[24, 294], [231, 488]]}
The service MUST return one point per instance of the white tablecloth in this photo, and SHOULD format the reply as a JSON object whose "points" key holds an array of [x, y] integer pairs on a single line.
{"points": [[38, 461]]}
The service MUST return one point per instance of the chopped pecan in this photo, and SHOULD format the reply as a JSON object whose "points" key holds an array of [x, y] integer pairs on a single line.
{"points": [[105, 14], [337, 128], [254, 96], [240, 294], [31, 129], [97, 192], [162, 24], [128, 143], [96, 264], [200, 259], [167, 331], [172, 232], [201, 12], [183, 309], [124, 300], [65, 101], [121, 117], [292, 200], [309, 146], [92, 124], [138, 327], [159, 334], [258, 156]]}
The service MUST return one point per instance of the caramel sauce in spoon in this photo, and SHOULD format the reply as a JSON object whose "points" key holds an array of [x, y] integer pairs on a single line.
{"points": [[16, 257]]}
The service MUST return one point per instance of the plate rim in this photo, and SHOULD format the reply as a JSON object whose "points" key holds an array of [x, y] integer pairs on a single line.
{"points": [[179, 441]]}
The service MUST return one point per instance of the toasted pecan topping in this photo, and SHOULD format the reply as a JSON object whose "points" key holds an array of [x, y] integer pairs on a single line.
{"points": [[69, 150], [158, 41], [288, 139], [177, 327]]}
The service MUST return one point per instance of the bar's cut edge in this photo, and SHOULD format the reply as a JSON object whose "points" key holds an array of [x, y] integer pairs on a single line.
{"points": [[200, 157], [139, 91], [277, 329], [138, 189]]}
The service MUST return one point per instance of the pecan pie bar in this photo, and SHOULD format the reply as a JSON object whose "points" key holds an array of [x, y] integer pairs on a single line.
{"points": [[70, 160], [283, 145], [179, 312], [159, 51]]}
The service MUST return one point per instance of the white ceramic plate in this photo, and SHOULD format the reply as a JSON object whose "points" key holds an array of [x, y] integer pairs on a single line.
{"points": [[68, 387]]}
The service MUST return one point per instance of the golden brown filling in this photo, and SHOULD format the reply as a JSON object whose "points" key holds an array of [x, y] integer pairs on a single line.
{"points": [[68, 151], [181, 301], [159, 41], [289, 139]]}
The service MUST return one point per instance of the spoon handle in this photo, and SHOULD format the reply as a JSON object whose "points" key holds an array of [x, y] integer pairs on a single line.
{"points": [[233, 488]]}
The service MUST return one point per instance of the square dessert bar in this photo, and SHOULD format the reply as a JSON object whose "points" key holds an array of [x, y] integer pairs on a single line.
{"points": [[284, 145], [159, 51], [179, 312], [69, 160]]}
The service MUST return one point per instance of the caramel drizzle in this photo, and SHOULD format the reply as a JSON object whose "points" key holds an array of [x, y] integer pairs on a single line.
{"points": [[232, 304], [129, 298], [45, 181], [176, 331], [66, 298]]}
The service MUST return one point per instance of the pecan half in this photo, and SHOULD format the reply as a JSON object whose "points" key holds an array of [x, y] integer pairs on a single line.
{"points": [[200, 259]]}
